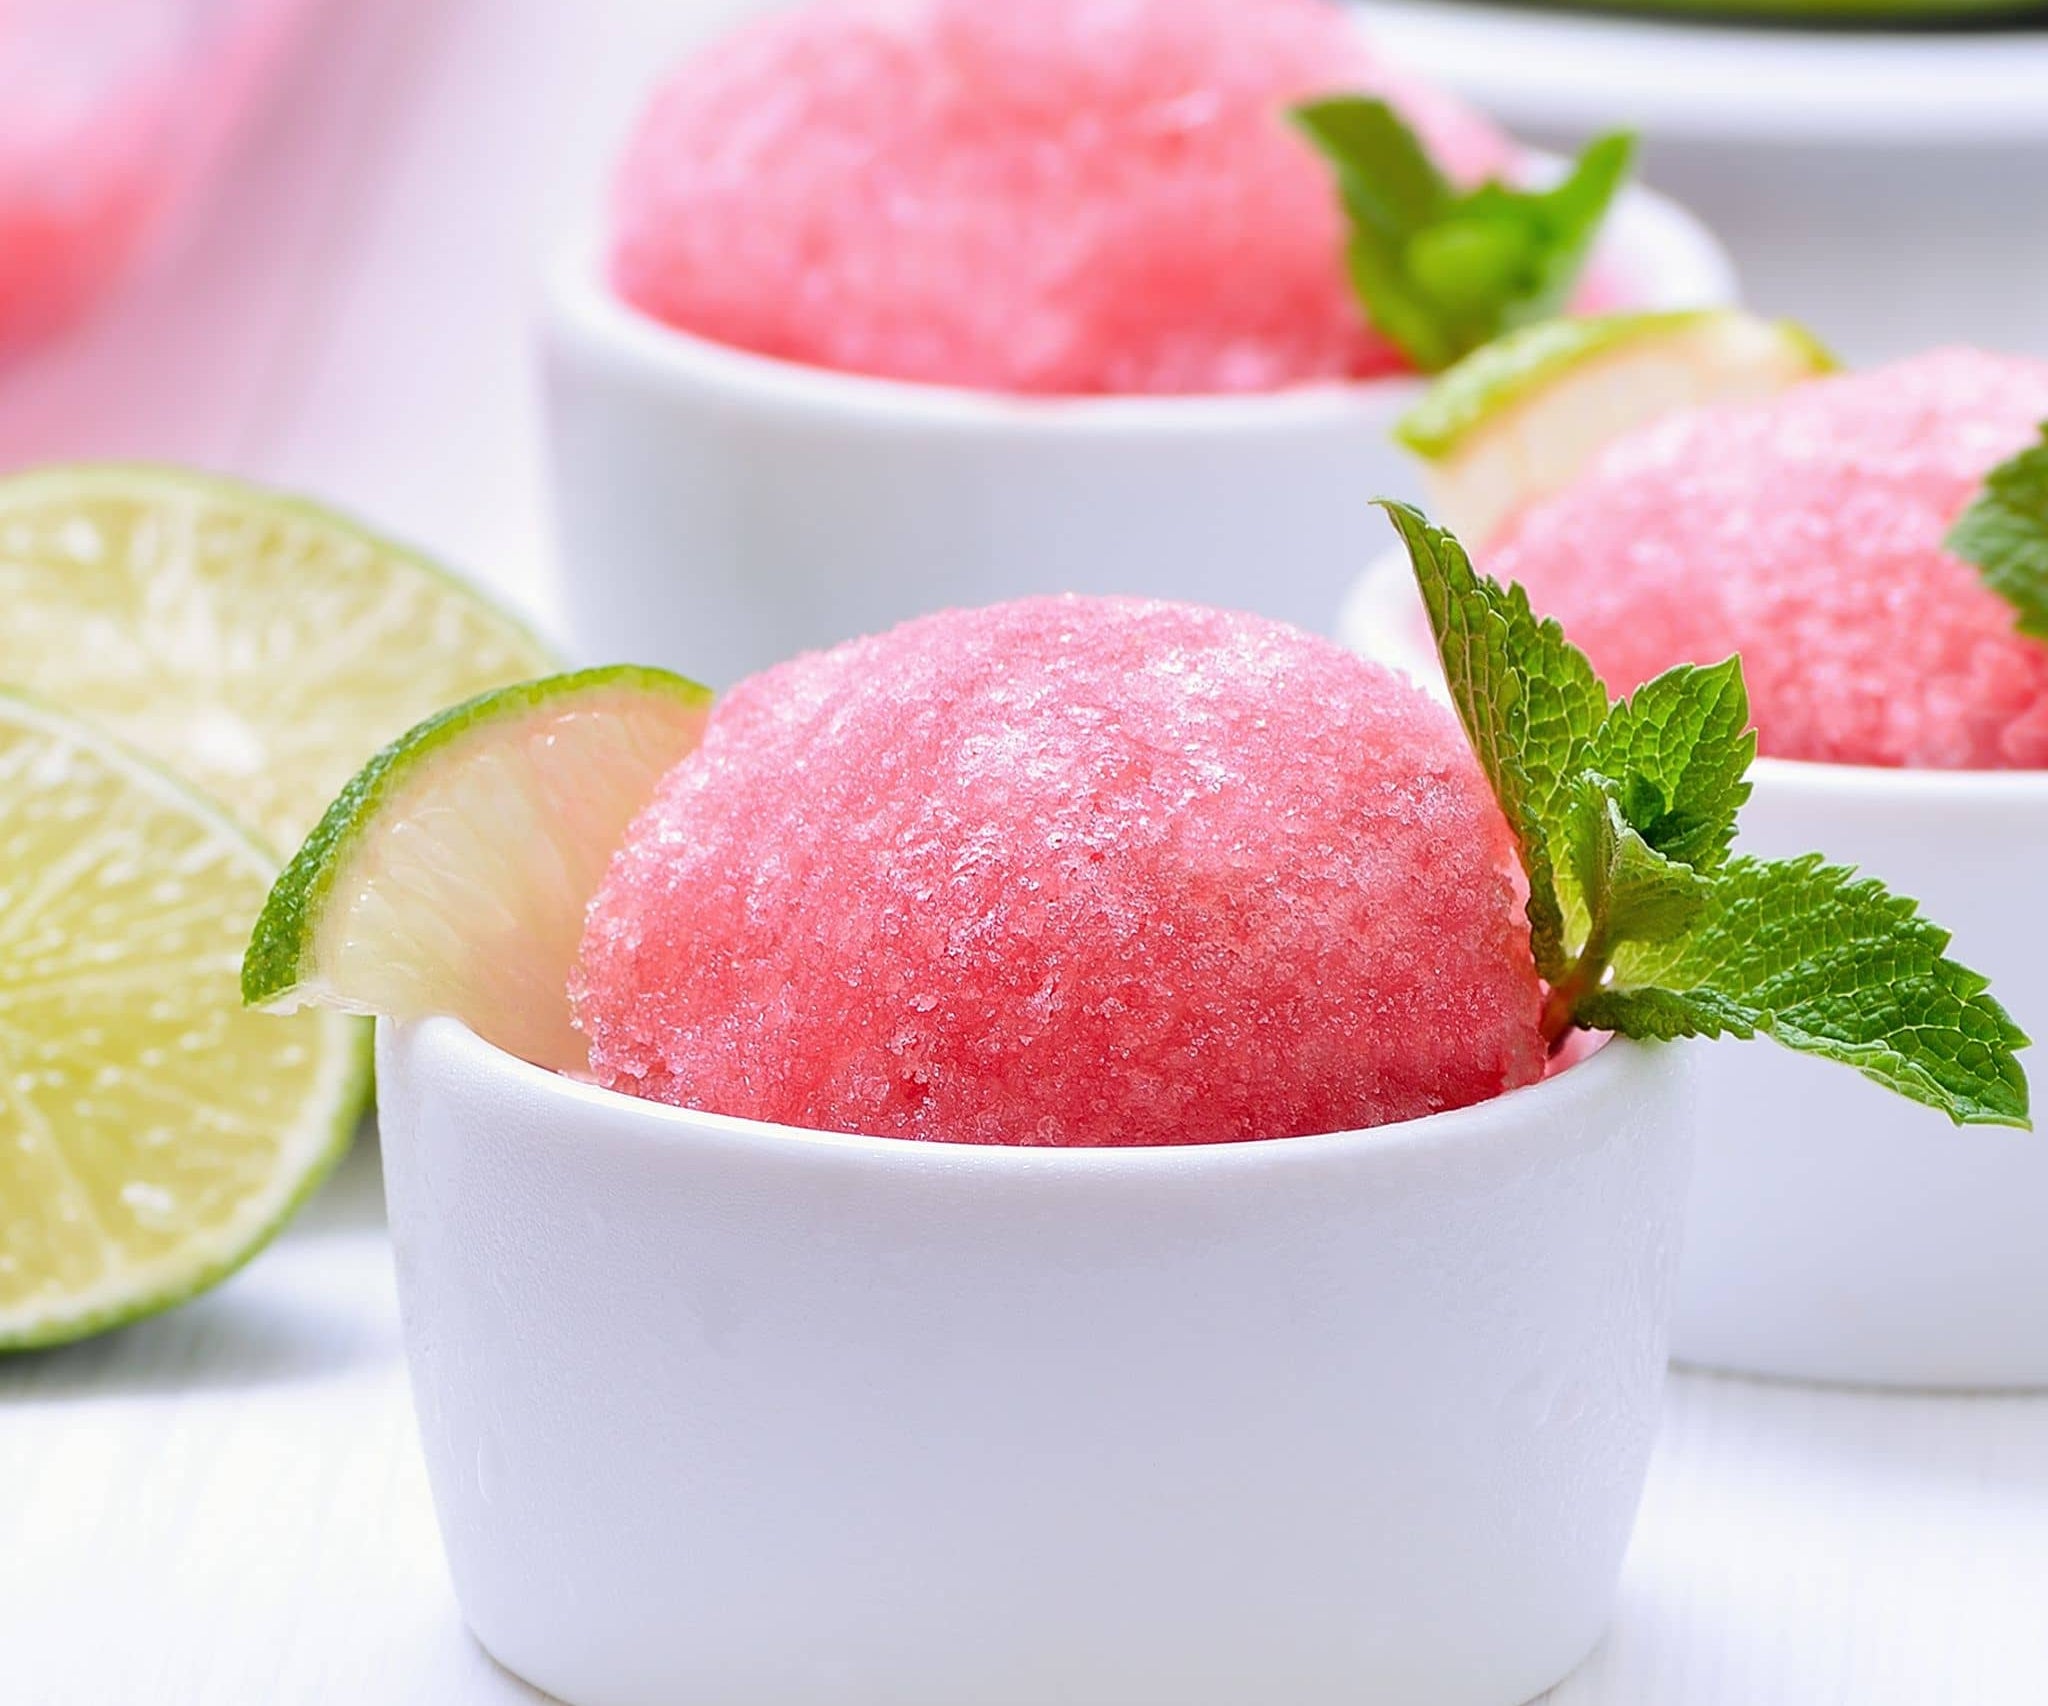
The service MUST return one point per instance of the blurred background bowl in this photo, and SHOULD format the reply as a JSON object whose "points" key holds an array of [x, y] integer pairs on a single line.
{"points": [[719, 511], [1836, 1231]]}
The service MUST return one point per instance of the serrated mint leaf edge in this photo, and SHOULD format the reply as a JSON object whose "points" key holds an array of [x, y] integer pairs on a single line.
{"points": [[1976, 1081], [1474, 618], [1598, 988], [1632, 892], [1687, 735]]}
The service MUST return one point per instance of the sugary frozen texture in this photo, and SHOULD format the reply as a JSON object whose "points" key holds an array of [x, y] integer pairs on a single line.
{"points": [[1068, 872], [1805, 533], [1061, 196]]}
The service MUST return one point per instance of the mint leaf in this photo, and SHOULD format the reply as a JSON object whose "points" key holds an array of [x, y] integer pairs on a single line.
{"points": [[1622, 889], [1831, 964], [1529, 701], [1385, 175], [1640, 919], [2004, 533], [1631, 891], [1440, 270], [1679, 749]]}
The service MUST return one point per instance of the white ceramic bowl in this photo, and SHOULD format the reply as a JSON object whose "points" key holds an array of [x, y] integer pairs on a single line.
{"points": [[719, 511], [723, 1411], [1838, 1232]]}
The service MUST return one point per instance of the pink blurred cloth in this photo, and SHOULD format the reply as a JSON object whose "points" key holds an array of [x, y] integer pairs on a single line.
{"points": [[113, 113]]}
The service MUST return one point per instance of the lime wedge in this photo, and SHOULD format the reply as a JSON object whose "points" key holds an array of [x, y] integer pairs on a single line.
{"points": [[452, 875], [258, 646], [153, 1135], [1516, 419]]}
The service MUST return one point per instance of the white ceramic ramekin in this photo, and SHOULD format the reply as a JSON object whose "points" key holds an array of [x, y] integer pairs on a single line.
{"points": [[722, 1411], [1838, 1232], [719, 511]]}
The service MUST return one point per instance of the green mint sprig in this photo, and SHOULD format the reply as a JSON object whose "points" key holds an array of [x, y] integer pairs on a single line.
{"points": [[2004, 533], [1642, 919], [1442, 270]]}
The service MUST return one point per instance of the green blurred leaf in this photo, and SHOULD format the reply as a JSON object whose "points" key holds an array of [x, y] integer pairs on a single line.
{"points": [[2004, 533], [1440, 270]]}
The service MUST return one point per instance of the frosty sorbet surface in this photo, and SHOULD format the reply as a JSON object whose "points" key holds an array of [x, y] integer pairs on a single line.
{"points": [[1066, 196], [1805, 532], [1068, 871]]}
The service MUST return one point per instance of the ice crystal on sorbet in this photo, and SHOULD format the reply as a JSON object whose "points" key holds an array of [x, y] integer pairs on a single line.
{"points": [[1068, 871]]}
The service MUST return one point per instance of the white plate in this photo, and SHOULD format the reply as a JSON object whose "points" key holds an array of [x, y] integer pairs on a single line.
{"points": [[1682, 79]]}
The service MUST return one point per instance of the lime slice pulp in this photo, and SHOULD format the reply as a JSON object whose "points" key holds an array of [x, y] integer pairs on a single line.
{"points": [[153, 1135], [258, 646], [452, 875], [1516, 420]]}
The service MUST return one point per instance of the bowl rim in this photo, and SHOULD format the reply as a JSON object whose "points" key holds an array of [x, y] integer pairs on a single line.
{"points": [[1841, 781], [1685, 265], [1570, 1099]]}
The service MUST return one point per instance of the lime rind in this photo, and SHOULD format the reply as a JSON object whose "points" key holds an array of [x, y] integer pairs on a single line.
{"points": [[1496, 375], [1509, 371], [352, 1090], [256, 643], [302, 934], [128, 479], [308, 1152], [279, 962], [1517, 420], [1820, 359]]}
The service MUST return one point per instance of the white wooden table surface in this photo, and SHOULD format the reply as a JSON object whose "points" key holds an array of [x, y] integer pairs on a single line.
{"points": [[225, 1507]]}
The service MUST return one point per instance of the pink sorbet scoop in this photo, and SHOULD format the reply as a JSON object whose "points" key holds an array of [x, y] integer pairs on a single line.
{"points": [[1068, 871], [1066, 196], [1805, 532]]}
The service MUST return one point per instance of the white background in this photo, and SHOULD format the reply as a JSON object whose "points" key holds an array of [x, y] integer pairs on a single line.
{"points": [[225, 1507]]}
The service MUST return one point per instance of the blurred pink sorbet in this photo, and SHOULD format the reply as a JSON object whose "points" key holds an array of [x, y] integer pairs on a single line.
{"points": [[1068, 871], [112, 112], [1805, 532], [1061, 196]]}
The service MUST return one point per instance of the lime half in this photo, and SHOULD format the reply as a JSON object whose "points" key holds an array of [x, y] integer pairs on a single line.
{"points": [[1516, 419], [258, 646], [453, 874], [153, 1134]]}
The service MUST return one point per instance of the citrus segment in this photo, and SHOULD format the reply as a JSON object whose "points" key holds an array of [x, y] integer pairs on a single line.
{"points": [[152, 1134], [259, 646], [1515, 420], [452, 874]]}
